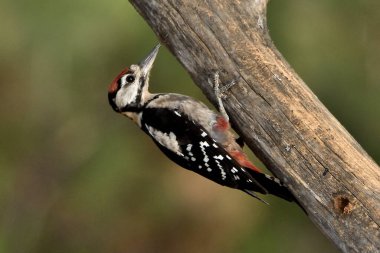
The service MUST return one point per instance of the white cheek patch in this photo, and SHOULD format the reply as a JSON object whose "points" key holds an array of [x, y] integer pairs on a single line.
{"points": [[127, 95], [169, 141]]}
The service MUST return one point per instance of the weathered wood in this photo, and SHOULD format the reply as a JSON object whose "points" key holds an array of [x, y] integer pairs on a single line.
{"points": [[281, 120]]}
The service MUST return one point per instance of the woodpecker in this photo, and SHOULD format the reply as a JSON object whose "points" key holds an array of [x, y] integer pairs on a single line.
{"points": [[188, 132]]}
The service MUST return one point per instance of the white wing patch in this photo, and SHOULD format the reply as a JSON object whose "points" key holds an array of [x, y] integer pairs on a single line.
{"points": [[167, 140], [178, 114], [204, 144], [222, 172]]}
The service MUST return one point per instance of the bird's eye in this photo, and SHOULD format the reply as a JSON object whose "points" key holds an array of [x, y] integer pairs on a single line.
{"points": [[130, 78]]}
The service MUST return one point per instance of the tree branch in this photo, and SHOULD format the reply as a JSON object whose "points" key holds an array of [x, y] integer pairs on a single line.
{"points": [[280, 118]]}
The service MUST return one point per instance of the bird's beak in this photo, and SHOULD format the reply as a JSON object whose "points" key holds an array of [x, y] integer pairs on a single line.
{"points": [[147, 64]]}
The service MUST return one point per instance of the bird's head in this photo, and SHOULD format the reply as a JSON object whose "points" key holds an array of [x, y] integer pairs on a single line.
{"points": [[129, 90]]}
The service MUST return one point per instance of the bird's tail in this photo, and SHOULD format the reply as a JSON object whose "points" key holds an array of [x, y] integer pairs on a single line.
{"points": [[266, 184]]}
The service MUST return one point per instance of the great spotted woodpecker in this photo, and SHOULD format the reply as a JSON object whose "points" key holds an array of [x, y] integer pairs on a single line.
{"points": [[188, 132]]}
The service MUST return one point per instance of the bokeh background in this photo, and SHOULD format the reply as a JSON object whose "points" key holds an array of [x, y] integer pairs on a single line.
{"points": [[76, 177]]}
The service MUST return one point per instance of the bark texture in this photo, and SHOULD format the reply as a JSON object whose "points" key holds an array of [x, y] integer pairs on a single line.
{"points": [[281, 120]]}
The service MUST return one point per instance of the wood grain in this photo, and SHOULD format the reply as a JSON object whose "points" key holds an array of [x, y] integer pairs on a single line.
{"points": [[279, 117]]}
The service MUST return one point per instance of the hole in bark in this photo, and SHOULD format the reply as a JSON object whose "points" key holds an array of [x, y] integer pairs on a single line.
{"points": [[342, 205]]}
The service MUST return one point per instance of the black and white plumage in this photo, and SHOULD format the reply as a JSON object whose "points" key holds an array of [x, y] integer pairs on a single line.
{"points": [[188, 132]]}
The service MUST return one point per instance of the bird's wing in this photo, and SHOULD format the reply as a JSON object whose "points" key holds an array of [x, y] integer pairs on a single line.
{"points": [[188, 144]]}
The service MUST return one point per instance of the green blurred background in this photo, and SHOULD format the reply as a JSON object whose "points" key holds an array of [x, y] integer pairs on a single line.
{"points": [[76, 177]]}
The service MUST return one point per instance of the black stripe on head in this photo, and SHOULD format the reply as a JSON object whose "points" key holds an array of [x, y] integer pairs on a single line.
{"points": [[111, 100], [142, 83]]}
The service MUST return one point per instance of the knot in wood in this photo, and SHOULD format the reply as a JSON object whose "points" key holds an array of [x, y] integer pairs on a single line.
{"points": [[342, 204]]}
